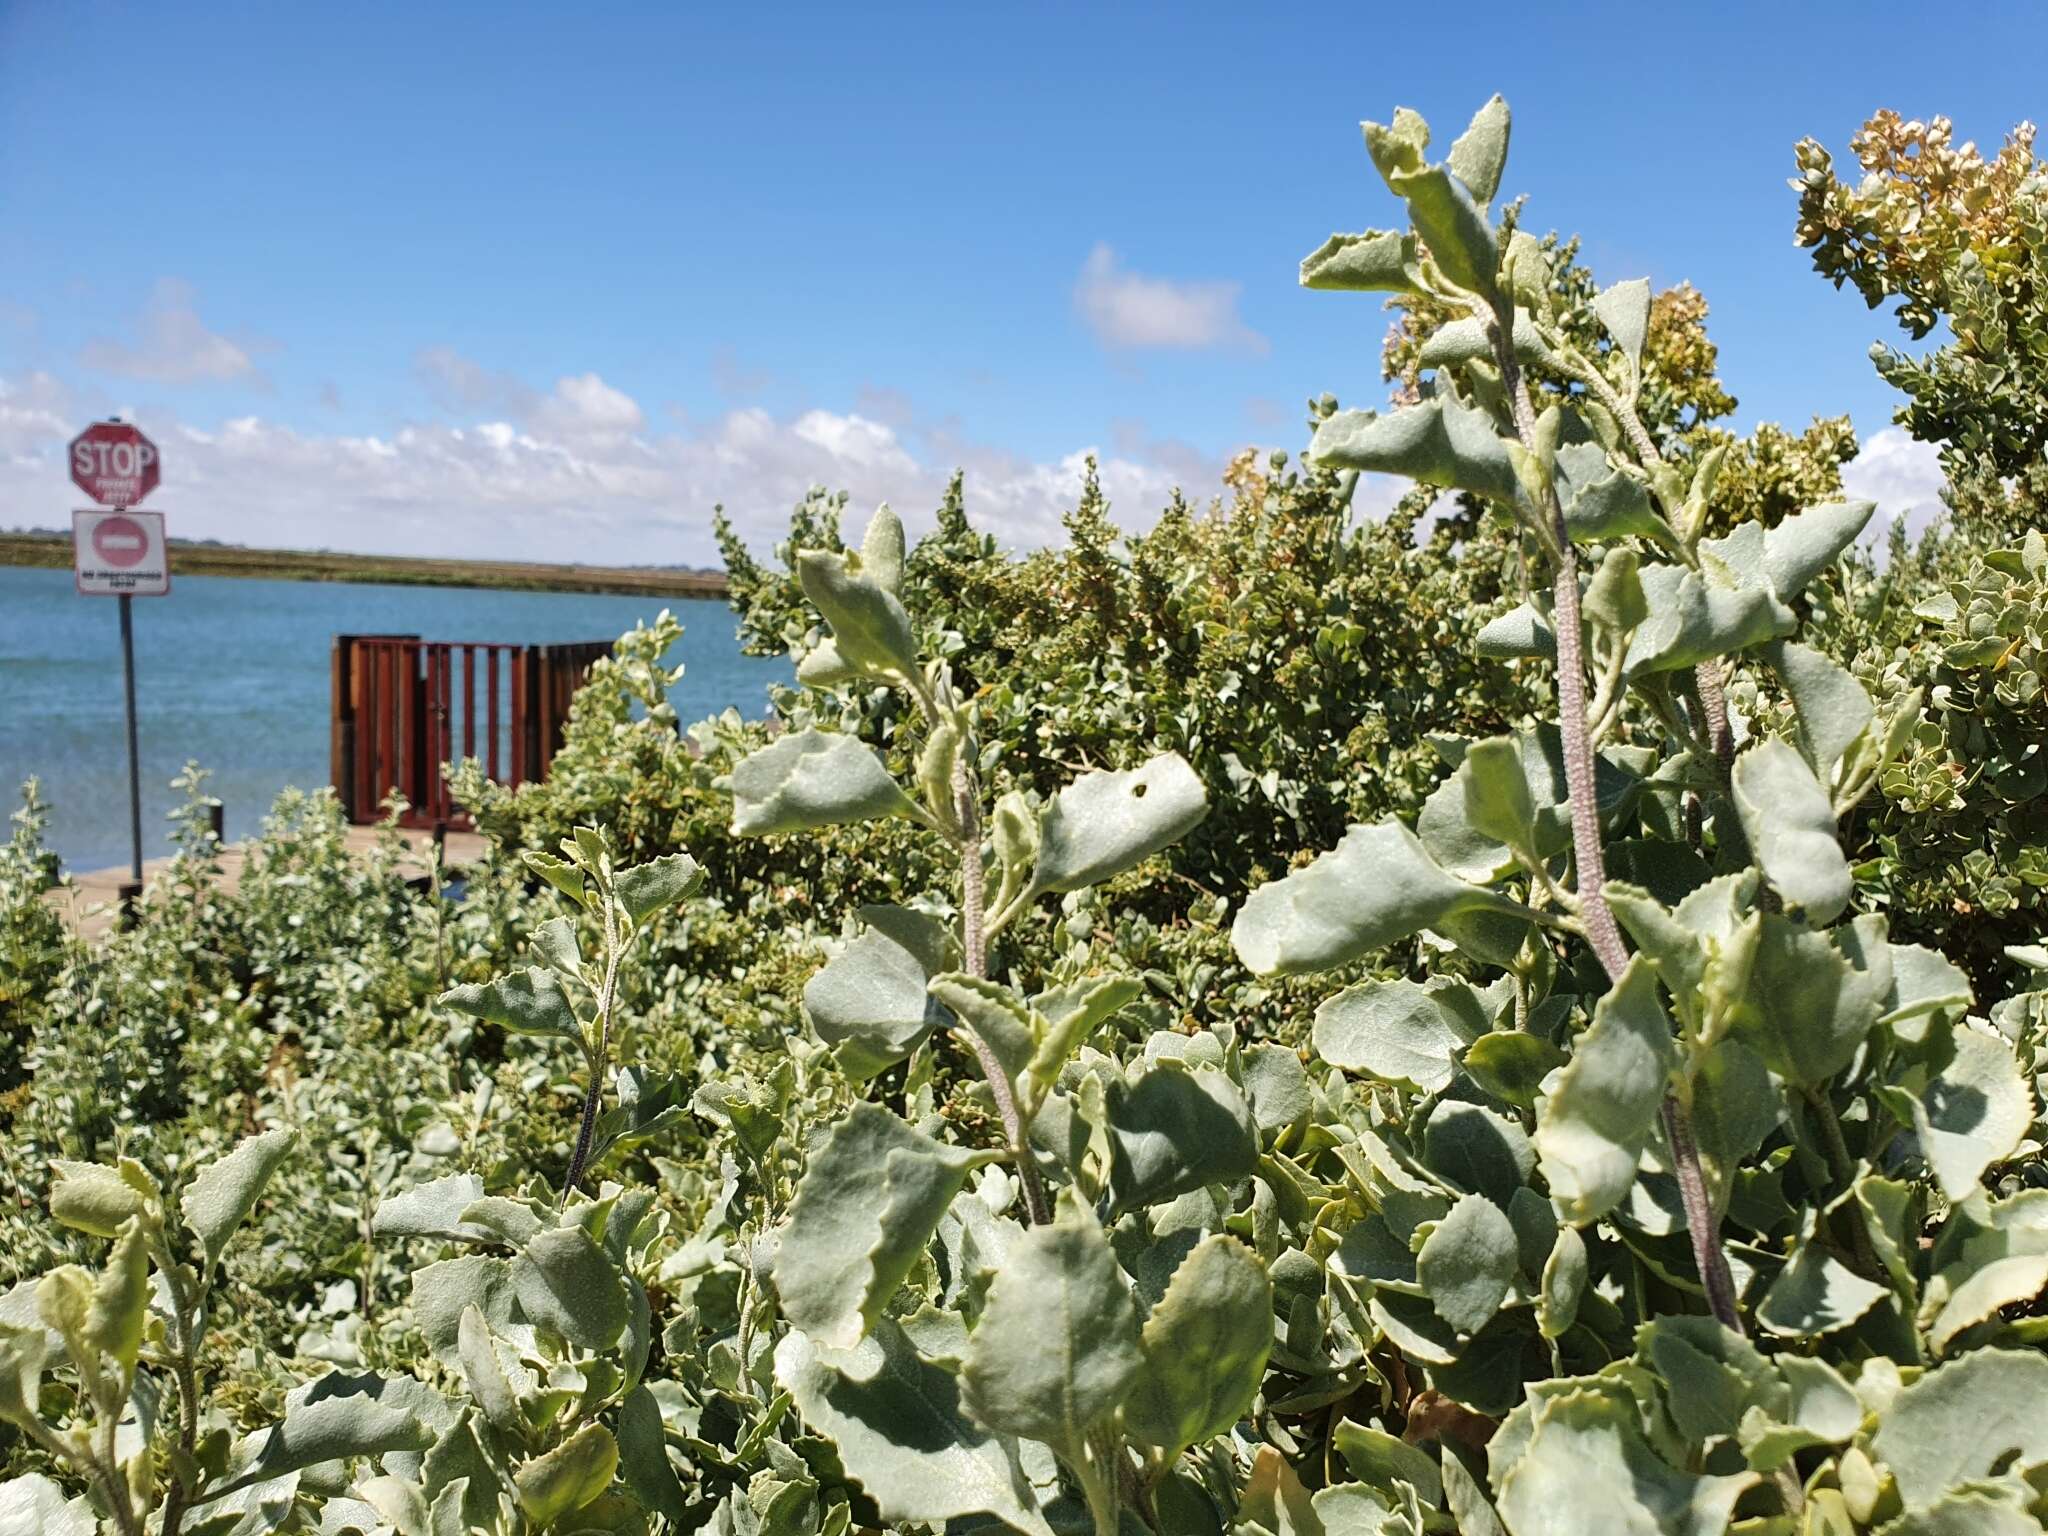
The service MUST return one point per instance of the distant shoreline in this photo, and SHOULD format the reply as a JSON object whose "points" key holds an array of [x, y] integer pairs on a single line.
{"points": [[53, 550]]}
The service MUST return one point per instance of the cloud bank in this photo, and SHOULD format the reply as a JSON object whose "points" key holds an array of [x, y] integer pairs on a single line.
{"points": [[1900, 474], [575, 473]]}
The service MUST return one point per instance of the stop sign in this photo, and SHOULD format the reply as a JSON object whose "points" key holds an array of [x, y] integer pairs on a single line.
{"points": [[114, 463]]}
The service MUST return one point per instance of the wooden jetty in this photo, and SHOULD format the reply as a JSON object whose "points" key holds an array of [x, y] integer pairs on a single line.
{"points": [[402, 709]]}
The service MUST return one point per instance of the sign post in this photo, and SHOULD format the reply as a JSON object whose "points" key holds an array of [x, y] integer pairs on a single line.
{"points": [[120, 554]]}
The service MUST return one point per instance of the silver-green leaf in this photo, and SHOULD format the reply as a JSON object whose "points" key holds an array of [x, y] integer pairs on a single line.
{"points": [[812, 778], [658, 885], [1176, 1131], [1592, 1127], [1056, 1348], [869, 1001], [1376, 886], [1963, 1419], [1204, 1347], [1790, 824], [1467, 1263], [1452, 225], [527, 1002], [1438, 442], [1396, 1031], [1480, 153], [1624, 309], [1378, 261], [870, 628], [902, 1433], [227, 1189], [869, 1202], [566, 1284], [1587, 1452], [1103, 823]]}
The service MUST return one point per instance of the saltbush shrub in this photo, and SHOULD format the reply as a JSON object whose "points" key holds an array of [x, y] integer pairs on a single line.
{"points": [[1272, 1025]]}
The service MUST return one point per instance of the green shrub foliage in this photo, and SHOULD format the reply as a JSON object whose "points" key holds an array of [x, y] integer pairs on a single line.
{"points": [[1274, 1025], [1962, 242]]}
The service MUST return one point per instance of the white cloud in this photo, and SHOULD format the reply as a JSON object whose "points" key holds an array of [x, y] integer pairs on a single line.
{"points": [[34, 412], [172, 345], [580, 408], [1901, 474], [461, 385], [577, 476], [855, 440], [587, 408], [1129, 309]]}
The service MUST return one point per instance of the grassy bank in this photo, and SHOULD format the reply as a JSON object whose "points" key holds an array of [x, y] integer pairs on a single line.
{"points": [[188, 559]]}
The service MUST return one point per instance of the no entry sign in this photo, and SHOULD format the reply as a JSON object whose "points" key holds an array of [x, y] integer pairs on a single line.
{"points": [[120, 554], [114, 463]]}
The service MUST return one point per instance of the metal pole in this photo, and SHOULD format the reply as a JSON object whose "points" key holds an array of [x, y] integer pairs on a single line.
{"points": [[134, 767]]}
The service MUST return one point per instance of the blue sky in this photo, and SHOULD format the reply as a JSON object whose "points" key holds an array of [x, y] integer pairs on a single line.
{"points": [[549, 280]]}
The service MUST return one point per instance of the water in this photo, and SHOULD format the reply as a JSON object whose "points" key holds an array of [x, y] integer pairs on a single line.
{"points": [[235, 674]]}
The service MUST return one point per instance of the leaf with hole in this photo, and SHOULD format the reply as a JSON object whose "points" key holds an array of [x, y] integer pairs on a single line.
{"points": [[1103, 823]]}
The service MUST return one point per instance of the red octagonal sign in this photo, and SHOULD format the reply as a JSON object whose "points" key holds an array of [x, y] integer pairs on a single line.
{"points": [[114, 463]]}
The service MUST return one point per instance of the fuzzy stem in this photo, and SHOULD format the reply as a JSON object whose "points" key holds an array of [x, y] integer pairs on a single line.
{"points": [[967, 810], [1713, 697], [586, 1130], [1588, 857], [1602, 933], [1714, 712], [1702, 1225], [184, 1356]]}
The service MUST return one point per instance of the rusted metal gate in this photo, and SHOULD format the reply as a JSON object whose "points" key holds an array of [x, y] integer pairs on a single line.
{"points": [[404, 707]]}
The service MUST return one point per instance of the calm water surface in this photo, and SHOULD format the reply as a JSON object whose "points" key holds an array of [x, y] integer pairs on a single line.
{"points": [[234, 673]]}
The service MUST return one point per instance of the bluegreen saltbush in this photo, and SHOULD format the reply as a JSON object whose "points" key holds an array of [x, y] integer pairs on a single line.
{"points": [[960, 1109]]}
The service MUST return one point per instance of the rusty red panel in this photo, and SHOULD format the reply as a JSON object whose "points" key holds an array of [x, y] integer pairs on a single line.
{"points": [[400, 693]]}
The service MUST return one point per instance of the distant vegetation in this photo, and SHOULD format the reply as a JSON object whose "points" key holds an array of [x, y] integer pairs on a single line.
{"points": [[208, 557]]}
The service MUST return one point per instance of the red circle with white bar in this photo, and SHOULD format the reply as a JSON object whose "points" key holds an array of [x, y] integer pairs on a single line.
{"points": [[120, 541]]}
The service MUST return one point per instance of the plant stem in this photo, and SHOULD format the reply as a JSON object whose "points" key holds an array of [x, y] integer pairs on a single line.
{"points": [[184, 1353], [1095, 1470], [1714, 709], [1701, 1223], [1602, 933], [586, 1131], [973, 940], [1844, 1169], [1587, 855], [115, 1483], [1713, 697]]}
